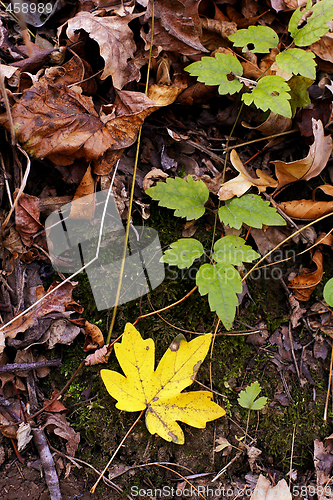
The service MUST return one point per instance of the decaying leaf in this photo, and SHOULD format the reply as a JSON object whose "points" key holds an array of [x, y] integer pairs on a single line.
{"points": [[100, 356], [240, 184], [53, 121], [115, 40], [159, 391], [94, 337], [308, 167], [323, 462], [306, 281], [58, 424], [58, 301], [307, 210], [264, 490], [84, 208], [176, 26], [152, 176], [27, 217]]}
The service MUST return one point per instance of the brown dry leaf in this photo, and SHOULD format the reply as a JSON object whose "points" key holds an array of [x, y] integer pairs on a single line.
{"points": [[296, 311], [240, 184], [100, 356], [163, 95], [306, 281], [58, 424], [58, 301], [177, 26], [323, 462], [84, 208], [309, 209], [324, 47], [115, 40], [56, 406], [264, 490], [13, 242], [27, 217], [308, 167], [306, 210], [94, 337], [61, 331], [274, 124], [53, 121], [152, 177], [223, 28]]}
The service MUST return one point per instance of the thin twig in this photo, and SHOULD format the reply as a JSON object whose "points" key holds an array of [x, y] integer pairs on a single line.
{"points": [[20, 367]]}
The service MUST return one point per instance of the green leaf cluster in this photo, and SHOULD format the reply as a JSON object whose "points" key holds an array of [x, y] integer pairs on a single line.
{"points": [[219, 279], [270, 92]]}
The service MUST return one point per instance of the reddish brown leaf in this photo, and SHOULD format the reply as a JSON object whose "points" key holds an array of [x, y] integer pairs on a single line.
{"points": [[53, 121], [94, 337], [177, 26], [58, 301], [115, 40], [27, 217], [84, 208]]}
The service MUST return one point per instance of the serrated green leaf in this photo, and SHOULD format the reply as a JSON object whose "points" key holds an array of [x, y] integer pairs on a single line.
{"points": [[247, 397], [250, 209], [186, 197], [270, 93], [299, 93], [215, 71], [222, 282], [328, 292], [262, 37], [297, 62], [233, 250], [182, 253], [316, 24]]}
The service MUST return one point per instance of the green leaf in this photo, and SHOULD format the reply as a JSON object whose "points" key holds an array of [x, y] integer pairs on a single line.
{"points": [[299, 93], [215, 71], [270, 93], [233, 250], [182, 253], [297, 62], [316, 18], [222, 282], [186, 197], [247, 397], [250, 209], [328, 292], [262, 37]]}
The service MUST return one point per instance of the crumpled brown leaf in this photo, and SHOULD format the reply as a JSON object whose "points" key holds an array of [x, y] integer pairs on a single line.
{"points": [[58, 301], [308, 167], [177, 26], [309, 209], [84, 206], [94, 337], [58, 424], [323, 462], [54, 121], [100, 356], [306, 281], [240, 184], [115, 40], [27, 217]]}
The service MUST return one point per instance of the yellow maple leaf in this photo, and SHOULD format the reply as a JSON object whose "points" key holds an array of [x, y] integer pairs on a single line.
{"points": [[160, 390]]}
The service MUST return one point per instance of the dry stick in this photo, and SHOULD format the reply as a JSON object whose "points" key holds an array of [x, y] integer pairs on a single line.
{"points": [[82, 268], [57, 396], [7, 105], [184, 478], [329, 387], [167, 307], [17, 367], [115, 453], [262, 139], [128, 224], [23, 184], [291, 455], [46, 458]]}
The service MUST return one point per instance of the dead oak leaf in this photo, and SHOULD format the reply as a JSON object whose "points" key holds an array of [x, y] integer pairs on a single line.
{"points": [[159, 391], [115, 40], [240, 184], [177, 26], [311, 166], [53, 121], [27, 217]]}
